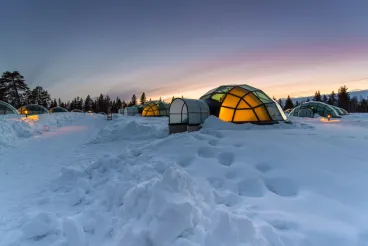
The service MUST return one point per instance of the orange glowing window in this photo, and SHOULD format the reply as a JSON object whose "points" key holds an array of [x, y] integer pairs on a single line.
{"points": [[238, 91], [226, 114], [230, 101], [244, 115], [262, 113], [252, 100]]}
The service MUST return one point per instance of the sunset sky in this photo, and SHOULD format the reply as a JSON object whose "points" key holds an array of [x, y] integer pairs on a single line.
{"points": [[173, 48]]}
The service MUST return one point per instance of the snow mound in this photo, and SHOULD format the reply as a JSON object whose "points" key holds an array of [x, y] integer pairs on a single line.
{"points": [[129, 130], [15, 127]]}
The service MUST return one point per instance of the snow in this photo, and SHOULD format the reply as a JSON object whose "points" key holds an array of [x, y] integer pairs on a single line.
{"points": [[74, 179]]}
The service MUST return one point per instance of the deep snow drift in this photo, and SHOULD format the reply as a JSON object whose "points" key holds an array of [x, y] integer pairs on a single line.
{"points": [[89, 181]]}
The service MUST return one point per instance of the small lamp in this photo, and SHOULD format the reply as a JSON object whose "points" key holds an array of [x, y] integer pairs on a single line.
{"points": [[329, 117], [26, 112]]}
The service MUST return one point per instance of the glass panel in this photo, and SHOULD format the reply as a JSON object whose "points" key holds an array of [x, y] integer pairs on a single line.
{"points": [[230, 101], [275, 113], [262, 113], [243, 104], [283, 116], [252, 100], [247, 87], [238, 91], [264, 98], [218, 97], [175, 119], [226, 114], [194, 118], [176, 106], [244, 116]]}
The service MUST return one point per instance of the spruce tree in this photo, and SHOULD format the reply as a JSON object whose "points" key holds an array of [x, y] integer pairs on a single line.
{"points": [[14, 88], [343, 98], [332, 98], [288, 103], [143, 99], [324, 99], [280, 102], [134, 100], [317, 96]]}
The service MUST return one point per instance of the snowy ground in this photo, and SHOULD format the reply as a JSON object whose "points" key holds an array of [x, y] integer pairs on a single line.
{"points": [[77, 179]]}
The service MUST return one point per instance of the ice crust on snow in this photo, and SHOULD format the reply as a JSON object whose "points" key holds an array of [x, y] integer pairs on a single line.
{"points": [[129, 183]]}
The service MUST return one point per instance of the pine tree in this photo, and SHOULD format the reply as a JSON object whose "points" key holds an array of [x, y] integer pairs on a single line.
{"points": [[14, 88], [172, 99], [88, 103], [280, 102], [133, 101], [160, 99], [343, 98], [124, 104], [324, 99], [39, 96], [143, 99], [118, 104], [317, 96], [308, 100], [332, 98], [288, 103], [59, 102]]}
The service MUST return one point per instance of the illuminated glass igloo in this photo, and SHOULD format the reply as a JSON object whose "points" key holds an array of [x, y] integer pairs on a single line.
{"points": [[308, 109], [243, 104], [6, 108], [155, 109], [32, 109], [58, 110], [77, 111]]}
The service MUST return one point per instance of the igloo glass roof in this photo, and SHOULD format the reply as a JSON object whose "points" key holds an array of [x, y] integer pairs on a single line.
{"points": [[155, 109], [33, 109], [244, 103], [58, 110], [188, 111], [6, 108], [320, 108]]}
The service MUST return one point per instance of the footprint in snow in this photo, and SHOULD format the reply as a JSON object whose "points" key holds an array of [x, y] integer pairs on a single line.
{"points": [[263, 167], [282, 187], [185, 160], [213, 142], [206, 152], [226, 158]]}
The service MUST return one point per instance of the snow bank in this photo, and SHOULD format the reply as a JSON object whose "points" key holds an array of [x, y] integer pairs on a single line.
{"points": [[239, 185], [132, 128], [15, 127]]}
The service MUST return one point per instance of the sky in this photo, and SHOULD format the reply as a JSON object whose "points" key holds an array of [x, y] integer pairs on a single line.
{"points": [[174, 48]]}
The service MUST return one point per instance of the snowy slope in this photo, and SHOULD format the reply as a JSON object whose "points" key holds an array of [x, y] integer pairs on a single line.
{"points": [[126, 182]]}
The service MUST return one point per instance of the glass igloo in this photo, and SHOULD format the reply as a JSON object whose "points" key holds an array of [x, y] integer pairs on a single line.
{"points": [[131, 111], [308, 109], [155, 109], [58, 110], [32, 109], [243, 104], [6, 108], [188, 112], [77, 111]]}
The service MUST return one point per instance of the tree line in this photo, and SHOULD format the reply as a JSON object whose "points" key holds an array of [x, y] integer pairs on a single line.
{"points": [[15, 91], [341, 99]]}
